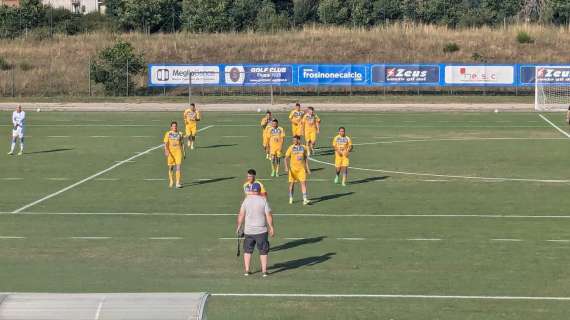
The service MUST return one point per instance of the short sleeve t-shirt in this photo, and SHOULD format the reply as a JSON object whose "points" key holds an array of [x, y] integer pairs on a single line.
{"points": [[255, 208]]}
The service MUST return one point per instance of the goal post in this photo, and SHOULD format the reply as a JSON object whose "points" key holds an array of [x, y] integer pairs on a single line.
{"points": [[551, 88]]}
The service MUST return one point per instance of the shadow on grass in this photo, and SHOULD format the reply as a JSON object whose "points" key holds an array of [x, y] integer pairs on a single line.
{"points": [[297, 243], [370, 179], [298, 263], [200, 182], [219, 146], [330, 197], [49, 151]]}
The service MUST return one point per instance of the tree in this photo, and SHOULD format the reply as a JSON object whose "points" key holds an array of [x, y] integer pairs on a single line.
{"points": [[360, 13], [31, 13], [304, 11], [244, 13], [9, 22], [114, 8], [383, 10], [268, 19], [333, 12], [142, 15], [207, 15], [557, 11], [115, 68]]}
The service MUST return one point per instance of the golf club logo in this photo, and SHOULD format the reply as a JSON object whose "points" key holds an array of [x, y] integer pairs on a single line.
{"points": [[162, 75]]}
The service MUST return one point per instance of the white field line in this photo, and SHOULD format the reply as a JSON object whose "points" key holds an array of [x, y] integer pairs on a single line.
{"points": [[294, 238], [554, 126], [165, 238], [435, 180], [91, 177], [309, 215], [423, 174], [558, 240], [141, 136], [106, 179], [389, 296], [10, 237], [99, 136], [453, 139], [508, 240], [99, 307], [351, 239], [228, 238], [131, 161], [423, 239], [91, 238], [11, 179]]}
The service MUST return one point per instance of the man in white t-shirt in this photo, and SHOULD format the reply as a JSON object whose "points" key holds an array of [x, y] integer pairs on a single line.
{"points": [[18, 120]]}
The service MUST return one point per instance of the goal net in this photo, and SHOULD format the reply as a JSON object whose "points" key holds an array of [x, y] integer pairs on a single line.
{"points": [[552, 88]]}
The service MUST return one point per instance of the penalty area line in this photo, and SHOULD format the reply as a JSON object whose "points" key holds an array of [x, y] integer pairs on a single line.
{"points": [[554, 126], [390, 296], [91, 177]]}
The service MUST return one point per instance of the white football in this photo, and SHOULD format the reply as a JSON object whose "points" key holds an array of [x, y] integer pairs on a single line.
{"points": [[38, 110]]}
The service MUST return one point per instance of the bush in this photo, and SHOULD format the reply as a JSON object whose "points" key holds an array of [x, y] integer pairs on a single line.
{"points": [[450, 47], [477, 57], [25, 66], [524, 38], [4, 65], [110, 68]]}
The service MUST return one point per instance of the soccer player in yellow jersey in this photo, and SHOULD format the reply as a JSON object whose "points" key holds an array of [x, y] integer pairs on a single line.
{"points": [[296, 162], [265, 124], [276, 140], [342, 146], [296, 117], [311, 126], [252, 186], [191, 118], [174, 152]]}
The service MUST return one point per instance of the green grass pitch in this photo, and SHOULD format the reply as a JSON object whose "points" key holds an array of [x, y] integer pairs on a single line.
{"points": [[452, 204]]}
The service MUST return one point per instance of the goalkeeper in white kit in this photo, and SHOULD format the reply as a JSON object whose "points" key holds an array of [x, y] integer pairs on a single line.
{"points": [[18, 119]]}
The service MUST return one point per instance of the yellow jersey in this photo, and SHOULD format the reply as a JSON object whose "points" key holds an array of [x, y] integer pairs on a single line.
{"points": [[265, 122], [191, 117], [296, 116], [276, 137], [310, 122], [255, 187], [342, 144], [174, 140], [298, 155]]}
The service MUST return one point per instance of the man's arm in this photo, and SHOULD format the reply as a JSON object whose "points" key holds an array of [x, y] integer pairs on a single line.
{"points": [[240, 220], [307, 165], [286, 163], [269, 218]]}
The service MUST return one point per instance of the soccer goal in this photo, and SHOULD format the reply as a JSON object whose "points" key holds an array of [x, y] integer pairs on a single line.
{"points": [[552, 88]]}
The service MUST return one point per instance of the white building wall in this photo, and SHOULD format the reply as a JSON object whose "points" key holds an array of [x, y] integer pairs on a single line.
{"points": [[84, 6]]}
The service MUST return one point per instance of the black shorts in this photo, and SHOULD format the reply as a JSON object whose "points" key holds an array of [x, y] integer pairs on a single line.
{"points": [[261, 240]]}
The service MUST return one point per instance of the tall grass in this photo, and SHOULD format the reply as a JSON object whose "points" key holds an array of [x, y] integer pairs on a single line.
{"points": [[60, 65]]}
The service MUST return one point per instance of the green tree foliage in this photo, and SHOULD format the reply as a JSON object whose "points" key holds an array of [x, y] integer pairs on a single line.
{"points": [[207, 15], [268, 19], [115, 68], [558, 11], [304, 11], [244, 13], [333, 12]]}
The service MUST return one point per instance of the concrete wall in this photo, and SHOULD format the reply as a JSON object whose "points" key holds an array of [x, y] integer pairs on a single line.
{"points": [[84, 6]]}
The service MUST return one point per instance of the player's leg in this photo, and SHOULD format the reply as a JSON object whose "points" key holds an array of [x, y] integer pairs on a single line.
{"points": [[248, 246], [305, 194], [277, 164], [291, 190], [13, 144], [337, 168], [21, 137], [263, 247], [273, 163], [178, 174], [344, 170], [170, 176]]}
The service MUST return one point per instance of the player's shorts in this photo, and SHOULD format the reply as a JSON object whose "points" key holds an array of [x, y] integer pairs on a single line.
{"points": [[341, 161], [311, 136], [265, 139], [275, 152], [191, 130], [261, 240], [297, 175], [174, 158], [18, 132], [297, 130]]}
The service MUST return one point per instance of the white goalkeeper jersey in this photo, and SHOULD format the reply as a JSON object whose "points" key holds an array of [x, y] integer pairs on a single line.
{"points": [[18, 119]]}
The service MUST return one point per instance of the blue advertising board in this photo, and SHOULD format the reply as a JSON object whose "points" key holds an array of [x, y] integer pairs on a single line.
{"points": [[332, 74], [551, 74], [258, 75], [440, 75], [405, 74]]}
